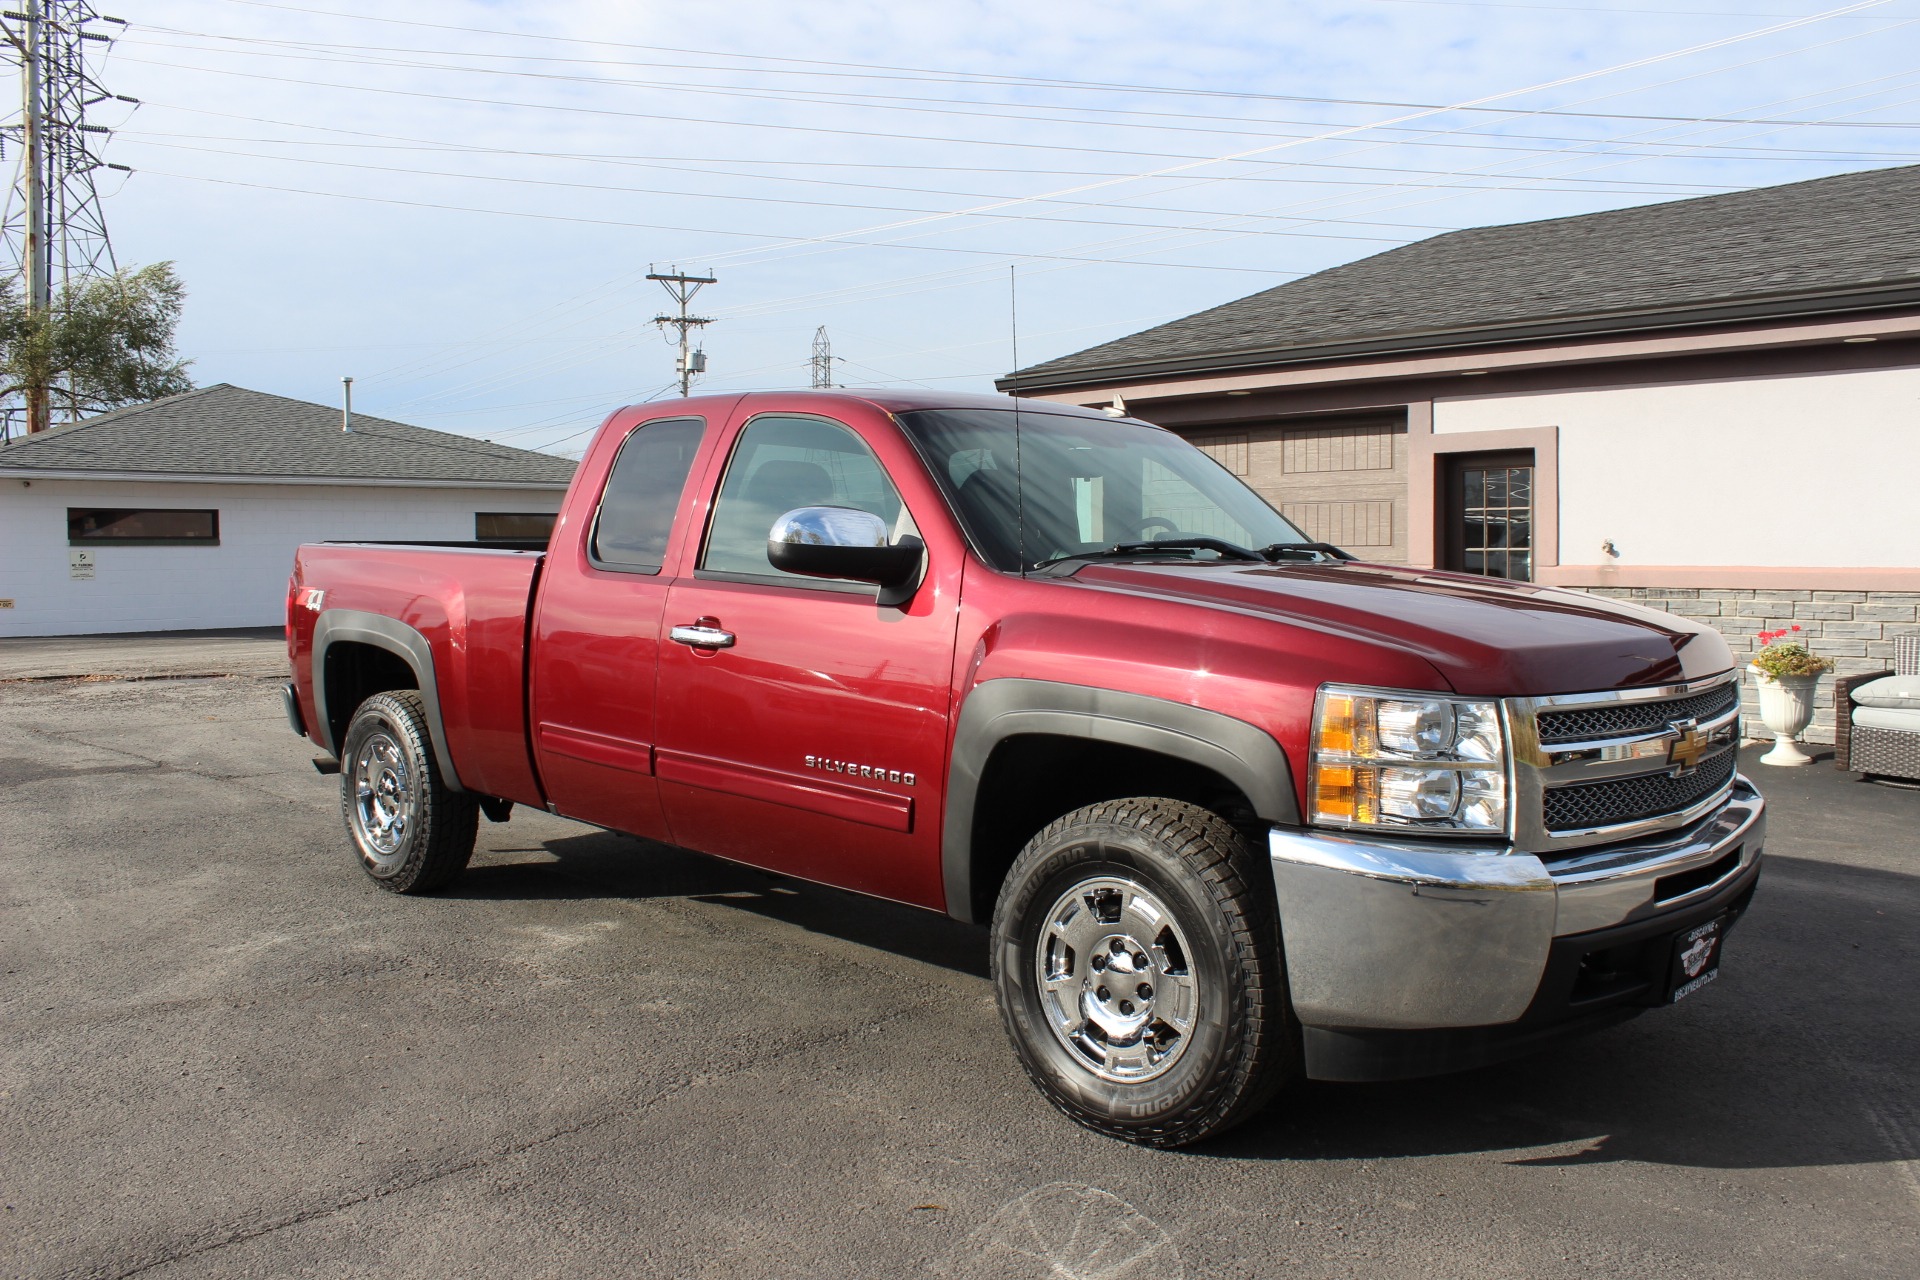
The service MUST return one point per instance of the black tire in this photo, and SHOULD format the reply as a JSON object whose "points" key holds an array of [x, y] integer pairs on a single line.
{"points": [[1200, 874], [412, 832]]}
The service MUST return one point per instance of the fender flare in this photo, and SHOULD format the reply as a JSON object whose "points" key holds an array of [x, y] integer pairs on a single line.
{"points": [[335, 626], [996, 710]]}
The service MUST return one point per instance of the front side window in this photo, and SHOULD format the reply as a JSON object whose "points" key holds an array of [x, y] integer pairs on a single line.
{"points": [[128, 525], [643, 493], [784, 462], [1083, 484]]}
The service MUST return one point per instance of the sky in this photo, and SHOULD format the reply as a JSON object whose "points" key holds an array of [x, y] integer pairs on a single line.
{"points": [[457, 202]]}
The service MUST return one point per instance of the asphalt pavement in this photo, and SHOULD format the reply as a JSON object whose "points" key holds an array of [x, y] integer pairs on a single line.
{"points": [[223, 1052]]}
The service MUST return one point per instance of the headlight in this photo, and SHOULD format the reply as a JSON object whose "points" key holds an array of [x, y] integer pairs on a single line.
{"points": [[1410, 760]]}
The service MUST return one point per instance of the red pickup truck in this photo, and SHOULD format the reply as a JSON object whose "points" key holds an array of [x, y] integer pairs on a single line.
{"points": [[1238, 808]]}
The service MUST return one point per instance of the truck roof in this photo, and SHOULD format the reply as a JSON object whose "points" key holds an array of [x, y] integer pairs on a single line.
{"points": [[889, 400]]}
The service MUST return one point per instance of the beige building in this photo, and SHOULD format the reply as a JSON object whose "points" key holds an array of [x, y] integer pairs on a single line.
{"points": [[1711, 406]]}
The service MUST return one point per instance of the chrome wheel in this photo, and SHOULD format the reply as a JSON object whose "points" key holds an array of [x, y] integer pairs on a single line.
{"points": [[1116, 981], [386, 804]]}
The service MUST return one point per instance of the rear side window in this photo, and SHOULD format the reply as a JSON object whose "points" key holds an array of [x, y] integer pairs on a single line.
{"points": [[787, 462], [643, 493]]}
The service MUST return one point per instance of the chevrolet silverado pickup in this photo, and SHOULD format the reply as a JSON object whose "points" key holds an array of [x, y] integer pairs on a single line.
{"points": [[1236, 808]]}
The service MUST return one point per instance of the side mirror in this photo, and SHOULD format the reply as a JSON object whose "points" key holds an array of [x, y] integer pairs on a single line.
{"points": [[841, 542]]}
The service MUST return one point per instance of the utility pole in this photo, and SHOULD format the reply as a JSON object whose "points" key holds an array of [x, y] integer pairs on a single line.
{"points": [[822, 359], [682, 288], [55, 228]]}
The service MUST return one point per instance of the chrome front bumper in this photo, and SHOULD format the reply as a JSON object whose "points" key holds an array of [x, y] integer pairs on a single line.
{"points": [[1382, 934]]}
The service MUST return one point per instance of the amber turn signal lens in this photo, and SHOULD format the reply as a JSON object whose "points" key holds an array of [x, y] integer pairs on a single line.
{"points": [[1334, 795], [1336, 726]]}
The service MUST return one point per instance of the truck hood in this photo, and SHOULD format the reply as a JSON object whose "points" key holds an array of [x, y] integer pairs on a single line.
{"points": [[1485, 636]]}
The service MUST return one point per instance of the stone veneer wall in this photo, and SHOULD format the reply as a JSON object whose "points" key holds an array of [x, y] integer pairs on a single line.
{"points": [[1854, 628]]}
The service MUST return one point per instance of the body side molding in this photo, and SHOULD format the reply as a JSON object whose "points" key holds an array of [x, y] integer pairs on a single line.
{"points": [[335, 626], [1000, 709]]}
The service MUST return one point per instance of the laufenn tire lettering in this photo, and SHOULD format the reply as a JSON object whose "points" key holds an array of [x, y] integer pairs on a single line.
{"points": [[876, 773]]}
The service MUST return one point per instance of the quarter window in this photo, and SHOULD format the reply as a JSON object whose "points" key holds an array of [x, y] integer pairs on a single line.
{"points": [[787, 462], [643, 493], [151, 526]]}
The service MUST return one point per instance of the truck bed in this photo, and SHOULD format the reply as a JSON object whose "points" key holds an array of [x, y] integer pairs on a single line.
{"points": [[470, 604]]}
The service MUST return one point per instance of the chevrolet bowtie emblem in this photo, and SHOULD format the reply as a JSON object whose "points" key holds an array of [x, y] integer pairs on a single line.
{"points": [[1689, 744]]}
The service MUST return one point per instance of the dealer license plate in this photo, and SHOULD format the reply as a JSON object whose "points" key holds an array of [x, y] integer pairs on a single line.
{"points": [[1696, 958]]}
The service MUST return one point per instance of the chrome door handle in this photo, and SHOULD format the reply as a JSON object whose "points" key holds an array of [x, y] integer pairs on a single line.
{"points": [[702, 637]]}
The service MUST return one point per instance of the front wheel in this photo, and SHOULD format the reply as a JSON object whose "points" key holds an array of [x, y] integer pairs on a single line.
{"points": [[413, 833], [1136, 960]]}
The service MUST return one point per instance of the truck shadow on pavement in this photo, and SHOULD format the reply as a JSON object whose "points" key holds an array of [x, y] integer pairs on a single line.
{"points": [[1800, 1055], [603, 864]]}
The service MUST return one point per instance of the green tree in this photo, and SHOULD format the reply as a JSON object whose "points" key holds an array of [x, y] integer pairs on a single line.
{"points": [[106, 342]]}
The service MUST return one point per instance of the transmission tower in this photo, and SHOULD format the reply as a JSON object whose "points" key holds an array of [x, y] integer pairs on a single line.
{"points": [[682, 288], [822, 359], [54, 227]]}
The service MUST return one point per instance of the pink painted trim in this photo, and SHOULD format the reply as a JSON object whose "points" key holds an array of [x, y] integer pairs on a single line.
{"points": [[1690, 575], [1423, 472], [1561, 353], [1420, 418]]}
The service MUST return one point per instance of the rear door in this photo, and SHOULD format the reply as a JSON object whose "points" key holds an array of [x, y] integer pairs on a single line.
{"points": [[806, 732], [596, 632]]}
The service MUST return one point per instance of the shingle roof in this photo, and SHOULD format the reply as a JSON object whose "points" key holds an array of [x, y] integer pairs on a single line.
{"points": [[1765, 251], [224, 430]]}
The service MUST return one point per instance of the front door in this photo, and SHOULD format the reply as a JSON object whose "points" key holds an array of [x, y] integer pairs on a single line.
{"points": [[803, 728]]}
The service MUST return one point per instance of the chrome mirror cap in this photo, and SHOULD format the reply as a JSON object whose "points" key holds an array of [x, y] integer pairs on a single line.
{"points": [[829, 527]]}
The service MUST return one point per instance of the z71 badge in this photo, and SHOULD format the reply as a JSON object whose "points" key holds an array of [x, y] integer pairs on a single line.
{"points": [[829, 765]]}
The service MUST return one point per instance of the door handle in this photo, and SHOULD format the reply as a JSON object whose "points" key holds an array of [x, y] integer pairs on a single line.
{"points": [[702, 637]]}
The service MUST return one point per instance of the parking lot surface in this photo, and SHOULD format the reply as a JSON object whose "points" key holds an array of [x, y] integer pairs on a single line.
{"points": [[224, 1052]]}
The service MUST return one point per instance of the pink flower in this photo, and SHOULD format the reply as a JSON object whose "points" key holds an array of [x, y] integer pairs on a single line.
{"points": [[1796, 626]]}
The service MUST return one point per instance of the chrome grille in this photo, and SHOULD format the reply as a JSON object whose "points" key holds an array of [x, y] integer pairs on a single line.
{"points": [[1647, 795], [1591, 768], [1618, 719]]}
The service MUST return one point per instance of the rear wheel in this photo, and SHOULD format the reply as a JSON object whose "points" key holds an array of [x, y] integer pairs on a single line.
{"points": [[413, 833], [1137, 963]]}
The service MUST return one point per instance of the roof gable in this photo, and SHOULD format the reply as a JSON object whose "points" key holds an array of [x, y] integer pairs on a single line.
{"points": [[1849, 232], [224, 430]]}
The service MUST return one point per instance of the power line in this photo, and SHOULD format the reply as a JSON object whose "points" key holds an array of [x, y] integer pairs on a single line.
{"points": [[1495, 141], [838, 97]]}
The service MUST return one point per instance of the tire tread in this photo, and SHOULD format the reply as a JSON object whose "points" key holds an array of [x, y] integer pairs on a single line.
{"points": [[1265, 1049]]}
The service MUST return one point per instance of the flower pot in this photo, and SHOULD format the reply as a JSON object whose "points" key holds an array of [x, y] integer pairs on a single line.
{"points": [[1786, 707]]}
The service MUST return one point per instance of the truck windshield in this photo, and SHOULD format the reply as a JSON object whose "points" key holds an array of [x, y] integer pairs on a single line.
{"points": [[1085, 484]]}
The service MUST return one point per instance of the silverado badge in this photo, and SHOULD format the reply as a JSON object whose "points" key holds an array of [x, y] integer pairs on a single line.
{"points": [[875, 772]]}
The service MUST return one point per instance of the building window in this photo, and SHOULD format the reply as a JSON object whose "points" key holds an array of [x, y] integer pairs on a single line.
{"points": [[1490, 515], [513, 526], [142, 526]]}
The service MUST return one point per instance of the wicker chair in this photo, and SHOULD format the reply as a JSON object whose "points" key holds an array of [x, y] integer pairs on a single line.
{"points": [[1890, 753]]}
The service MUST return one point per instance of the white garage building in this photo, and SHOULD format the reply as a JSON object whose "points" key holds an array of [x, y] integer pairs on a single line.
{"points": [[184, 513]]}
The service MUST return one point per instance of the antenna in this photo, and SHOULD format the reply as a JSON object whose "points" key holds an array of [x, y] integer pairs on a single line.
{"points": [[1019, 489]]}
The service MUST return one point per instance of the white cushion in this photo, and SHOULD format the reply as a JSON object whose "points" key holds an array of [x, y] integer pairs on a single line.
{"points": [[1904, 719], [1895, 692]]}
